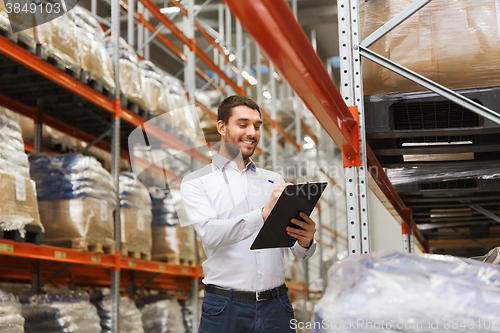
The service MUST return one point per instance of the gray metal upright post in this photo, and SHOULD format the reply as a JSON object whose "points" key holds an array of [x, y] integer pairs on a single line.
{"points": [[190, 84], [131, 23], [239, 53], [228, 31], [115, 162], [147, 34], [352, 92], [140, 29], [221, 41]]}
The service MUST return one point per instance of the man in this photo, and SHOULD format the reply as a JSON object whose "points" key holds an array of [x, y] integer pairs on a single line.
{"points": [[227, 202]]}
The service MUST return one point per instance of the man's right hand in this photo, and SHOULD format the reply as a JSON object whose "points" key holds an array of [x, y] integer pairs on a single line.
{"points": [[277, 190]]}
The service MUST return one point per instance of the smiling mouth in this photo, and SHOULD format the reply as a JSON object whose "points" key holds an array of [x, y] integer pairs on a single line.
{"points": [[248, 143]]}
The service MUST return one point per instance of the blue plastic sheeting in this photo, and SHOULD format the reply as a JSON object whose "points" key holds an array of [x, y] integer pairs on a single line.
{"points": [[71, 176]]}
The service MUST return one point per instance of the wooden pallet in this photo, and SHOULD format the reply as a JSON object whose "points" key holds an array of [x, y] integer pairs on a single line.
{"points": [[73, 69], [172, 259], [97, 84], [133, 106], [21, 40], [128, 251], [32, 234], [90, 246]]}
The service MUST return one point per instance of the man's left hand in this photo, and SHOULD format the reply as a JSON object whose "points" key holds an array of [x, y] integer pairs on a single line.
{"points": [[304, 237]]}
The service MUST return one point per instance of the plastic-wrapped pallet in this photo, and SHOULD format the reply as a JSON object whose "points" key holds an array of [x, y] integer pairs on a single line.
{"points": [[129, 316], [11, 319], [389, 291], [135, 212], [26, 35], [93, 55], [161, 315], [453, 42], [130, 75], [66, 313], [59, 38], [171, 242], [18, 206], [76, 198], [154, 94]]}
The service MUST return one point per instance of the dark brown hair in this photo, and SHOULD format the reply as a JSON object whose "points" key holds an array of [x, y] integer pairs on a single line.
{"points": [[226, 106]]}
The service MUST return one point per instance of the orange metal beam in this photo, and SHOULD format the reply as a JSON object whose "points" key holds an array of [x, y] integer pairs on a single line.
{"points": [[28, 146], [274, 27]]}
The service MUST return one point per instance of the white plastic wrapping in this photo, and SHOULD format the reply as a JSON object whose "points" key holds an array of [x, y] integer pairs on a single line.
{"points": [[129, 316], [59, 38], [69, 313], [492, 257], [390, 291], [13, 159], [162, 316], [399, 176], [93, 54], [136, 215], [154, 93], [453, 42], [130, 75], [11, 319]]}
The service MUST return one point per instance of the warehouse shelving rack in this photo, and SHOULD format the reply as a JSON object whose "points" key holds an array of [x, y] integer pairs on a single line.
{"points": [[60, 266]]}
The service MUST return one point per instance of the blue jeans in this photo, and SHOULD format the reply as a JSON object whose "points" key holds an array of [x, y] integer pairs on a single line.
{"points": [[225, 314]]}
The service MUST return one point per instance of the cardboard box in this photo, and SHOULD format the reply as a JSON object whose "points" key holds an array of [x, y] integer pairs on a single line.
{"points": [[18, 204], [77, 223], [454, 43], [174, 242], [136, 230]]}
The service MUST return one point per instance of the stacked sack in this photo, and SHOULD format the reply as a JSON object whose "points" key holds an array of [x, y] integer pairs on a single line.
{"points": [[18, 206], [155, 94], [21, 22], [76, 197], [130, 75], [11, 319], [71, 312], [93, 55], [160, 315], [171, 242], [135, 216], [129, 316], [58, 36]]}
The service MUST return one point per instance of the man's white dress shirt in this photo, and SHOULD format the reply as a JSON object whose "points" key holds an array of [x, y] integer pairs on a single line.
{"points": [[224, 205]]}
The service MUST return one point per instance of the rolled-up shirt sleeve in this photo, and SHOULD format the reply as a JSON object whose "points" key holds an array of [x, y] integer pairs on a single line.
{"points": [[303, 253], [215, 232]]}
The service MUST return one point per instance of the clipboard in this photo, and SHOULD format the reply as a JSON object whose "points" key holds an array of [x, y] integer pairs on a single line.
{"points": [[294, 199]]}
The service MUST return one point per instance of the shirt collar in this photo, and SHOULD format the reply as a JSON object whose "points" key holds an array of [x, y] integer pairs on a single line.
{"points": [[220, 162]]}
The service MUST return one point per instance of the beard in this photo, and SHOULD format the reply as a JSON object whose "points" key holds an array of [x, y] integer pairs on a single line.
{"points": [[233, 148]]}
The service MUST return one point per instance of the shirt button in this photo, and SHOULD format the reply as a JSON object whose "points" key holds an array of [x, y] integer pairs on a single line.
{"points": [[258, 251], [260, 273], [256, 228]]}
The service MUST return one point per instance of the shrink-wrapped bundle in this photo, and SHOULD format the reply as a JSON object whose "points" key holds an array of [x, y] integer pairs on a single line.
{"points": [[11, 319], [135, 212], [390, 291], [161, 315], [129, 316], [93, 55], [453, 42], [154, 94], [59, 37], [18, 205], [130, 75], [171, 241], [76, 198], [65, 313]]}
